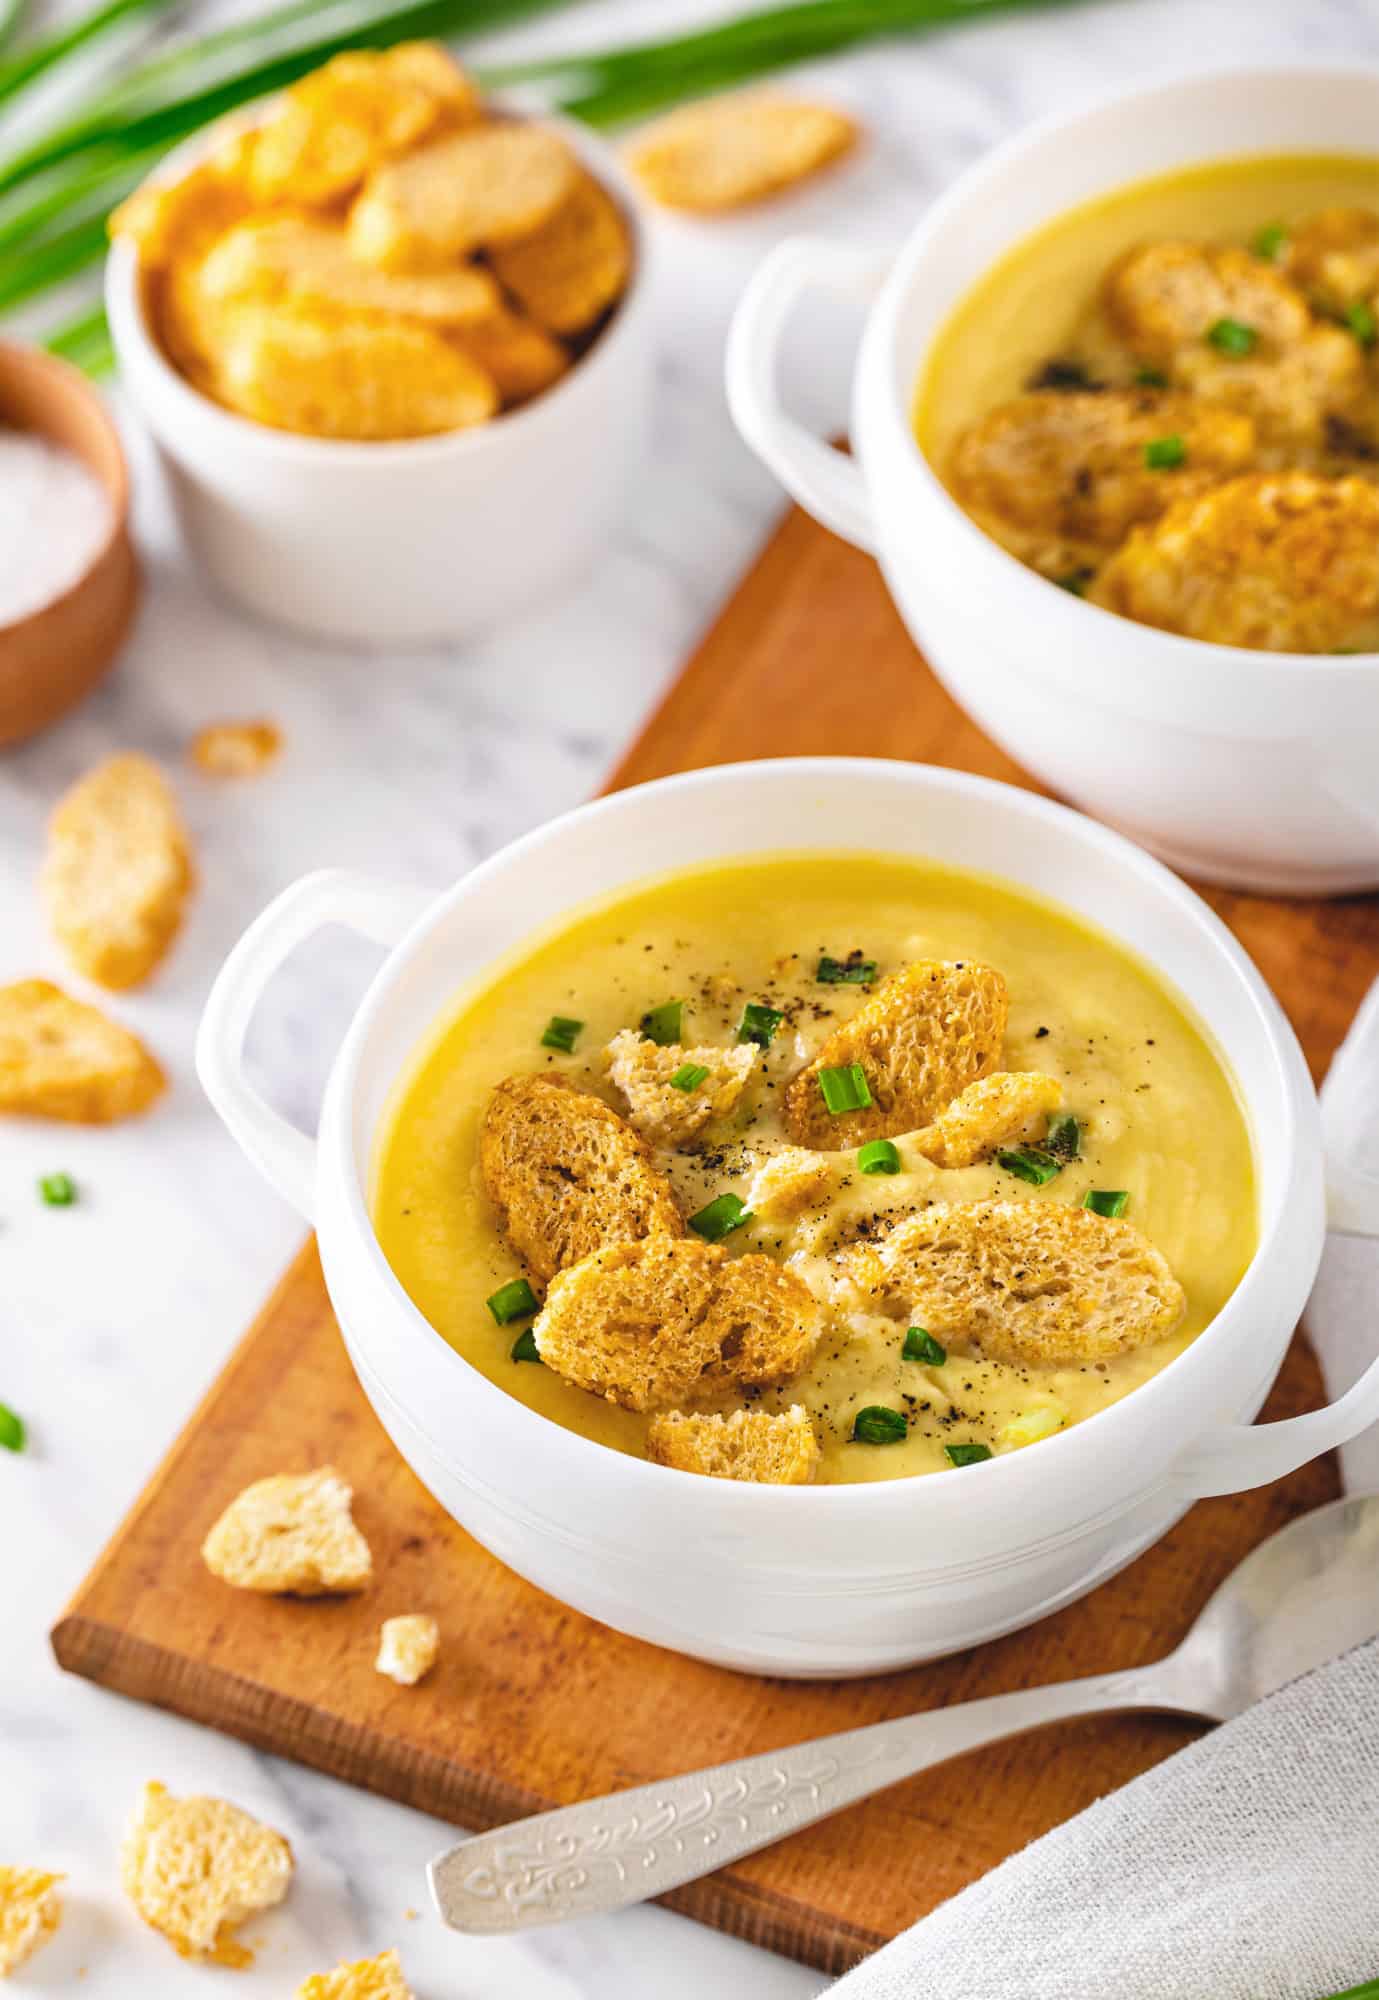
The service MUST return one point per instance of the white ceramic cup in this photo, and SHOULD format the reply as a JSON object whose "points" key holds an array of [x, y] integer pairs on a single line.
{"points": [[1257, 769], [835, 1579], [413, 541]]}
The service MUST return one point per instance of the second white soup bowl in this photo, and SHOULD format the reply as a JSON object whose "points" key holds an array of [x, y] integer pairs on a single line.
{"points": [[835, 1579]]}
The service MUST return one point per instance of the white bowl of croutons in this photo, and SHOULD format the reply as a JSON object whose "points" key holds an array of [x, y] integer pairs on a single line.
{"points": [[393, 346], [823, 1578], [1133, 353]]}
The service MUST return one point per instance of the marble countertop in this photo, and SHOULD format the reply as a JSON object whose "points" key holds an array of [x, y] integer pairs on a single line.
{"points": [[115, 1314]]}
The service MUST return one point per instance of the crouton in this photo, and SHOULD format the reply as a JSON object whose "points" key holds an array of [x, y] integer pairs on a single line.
{"points": [[724, 152], [656, 1107], [986, 1115], [772, 1450], [1161, 297], [655, 1324], [60, 1058], [1284, 561], [479, 189], [176, 221], [923, 1036], [407, 1648], [235, 749], [1060, 479], [30, 1912], [790, 1181], [573, 268], [1297, 395], [567, 1175], [519, 357], [306, 260], [290, 1535], [195, 1868], [118, 871], [1033, 1283], [1333, 256], [378, 1978]]}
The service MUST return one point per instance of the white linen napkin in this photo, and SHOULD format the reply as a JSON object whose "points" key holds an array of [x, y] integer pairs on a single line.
{"points": [[1247, 1866]]}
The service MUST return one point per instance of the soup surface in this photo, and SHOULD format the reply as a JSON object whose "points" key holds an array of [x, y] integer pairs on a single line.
{"points": [[1158, 1114], [1168, 400]]}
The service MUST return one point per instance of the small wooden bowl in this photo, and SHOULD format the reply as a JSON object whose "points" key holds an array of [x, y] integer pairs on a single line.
{"points": [[52, 657]]}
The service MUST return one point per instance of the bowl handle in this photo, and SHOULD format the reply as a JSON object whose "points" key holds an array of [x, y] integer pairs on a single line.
{"points": [[825, 481], [382, 911]]}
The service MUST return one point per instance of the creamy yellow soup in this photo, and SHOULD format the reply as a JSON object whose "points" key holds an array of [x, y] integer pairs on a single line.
{"points": [[1160, 1117]]}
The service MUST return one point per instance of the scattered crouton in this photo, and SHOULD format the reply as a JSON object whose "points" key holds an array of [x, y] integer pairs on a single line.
{"points": [[728, 151], [60, 1058], [408, 1647], [567, 1175], [924, 1035], [654, 1324], [118, 871], [30, 1911], [666, 1115], [987, 1114], [790, 1181], [290, 1535], [772, 1450], [235, 749], [479, 189], [378, 1978], [571, 269], [196, 1868], [1033, 1283]]}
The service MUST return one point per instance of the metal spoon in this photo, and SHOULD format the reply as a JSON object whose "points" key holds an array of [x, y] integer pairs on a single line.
{"points": [[1305, 1596]]}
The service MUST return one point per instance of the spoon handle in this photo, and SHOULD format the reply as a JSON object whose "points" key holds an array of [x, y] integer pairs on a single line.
{"points": [[602, 1854]]}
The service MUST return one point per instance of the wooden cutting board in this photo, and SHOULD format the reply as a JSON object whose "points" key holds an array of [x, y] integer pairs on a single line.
{"points": [[533, 1705]]}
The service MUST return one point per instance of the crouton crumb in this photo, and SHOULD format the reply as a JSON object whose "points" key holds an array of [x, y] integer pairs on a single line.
{"points": [[407, 1648], [195, 1868], [290, 1535], [30, 1912], [378, 1978], [235, 749]]}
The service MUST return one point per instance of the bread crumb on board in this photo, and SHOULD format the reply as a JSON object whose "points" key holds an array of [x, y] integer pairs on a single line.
{"points": [[291, 1535], [197, 1867], [30, 1912], [235, 749], [407, 1648]]}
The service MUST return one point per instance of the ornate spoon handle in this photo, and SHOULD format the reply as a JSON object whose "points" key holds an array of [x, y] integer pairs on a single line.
{"points": [[605, 1853]]}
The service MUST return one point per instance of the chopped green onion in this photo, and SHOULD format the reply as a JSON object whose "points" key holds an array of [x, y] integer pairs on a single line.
{"points": [[1029, 1163], [759, 1023], [1162, 454], [720, 1218], [1064, 1137], [1151, 378], [1075, 581], [561, 1033], [878, 1156], [524, 1347], [966, 1454], [11, 1429], [1232, 336], [689, 1076], [1106, 1201], [662, 1024], [514, 1300], [1269, 242], [920, 1345], [879, 1425], [58, 1190], [1359, 317], [854, 970], [845, 1089]]}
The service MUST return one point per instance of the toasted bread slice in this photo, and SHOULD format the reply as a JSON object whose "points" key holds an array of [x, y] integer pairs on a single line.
{"points": [[378, 1978], [724, 152], [60, 1058], [791, 1181], [567, 1175], [770, 1449], [477, 190], [407, 1648], [291, 1535], [118, 871], [1033, 1283], [571, 269], [667, 1116], [195, 1868], [986, 1115], [30, 1912], [653, 1324], [922, 1037]]}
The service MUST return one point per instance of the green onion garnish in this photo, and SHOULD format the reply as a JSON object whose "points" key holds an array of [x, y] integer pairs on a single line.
{"points": [[1162, 454], [514, 1300], [11, 1429], [1232, 336], [966, 1454], [1030, 1163], [58, 1190], [524, 1347], [1269, 242], [1359, 317], [1151, 378], [720, 1218], [878, 1156], [878, 1425], [662, 1024], [689, 1076], [854, 970], [920, 1345], [1106, 1201], [759, 1023], [560, 1033], [845, 1089], [1064, 1137]]}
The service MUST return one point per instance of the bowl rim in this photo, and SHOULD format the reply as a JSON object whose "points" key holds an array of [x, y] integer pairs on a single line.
{"points": [[889, 391], [337, 1165]]}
